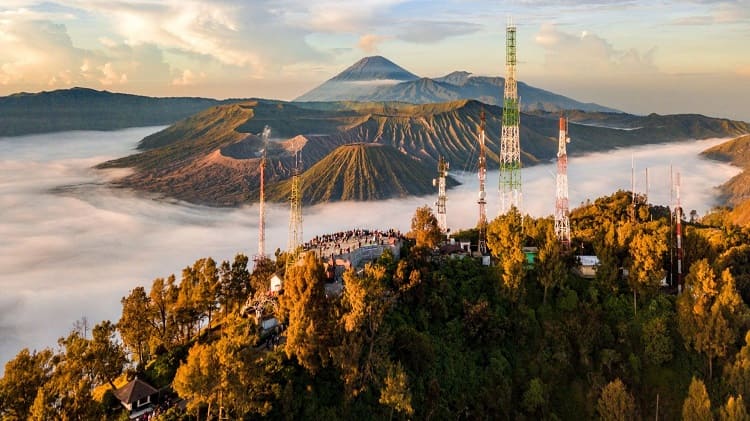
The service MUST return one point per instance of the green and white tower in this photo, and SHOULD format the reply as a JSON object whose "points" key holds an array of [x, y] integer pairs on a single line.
{"points": [[510, 147]]}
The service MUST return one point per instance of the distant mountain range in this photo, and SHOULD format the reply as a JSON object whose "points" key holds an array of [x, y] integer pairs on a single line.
{"points": [[379, 79], [88, 109], [212, 157]]}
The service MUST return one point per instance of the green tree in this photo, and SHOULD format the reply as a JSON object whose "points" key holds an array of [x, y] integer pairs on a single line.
{"points": [[550, 264], [535, 397], [697, 405], [738, 373], [106, 354], [734, 410], [134, 324], [424, 228], [505, 240], [657, 341], [615, 403]]}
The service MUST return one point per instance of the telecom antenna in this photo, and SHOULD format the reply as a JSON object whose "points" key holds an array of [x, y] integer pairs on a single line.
{"points": [[442, 218], [482, 202], [510, 147], [562, 218], [295, 213], [262, 203], [678, 217]]}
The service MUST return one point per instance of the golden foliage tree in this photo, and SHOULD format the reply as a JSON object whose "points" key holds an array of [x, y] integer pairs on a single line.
{"points": [[697, 405], [424, 228], [615, 403], [505, 239], [734, 410]]}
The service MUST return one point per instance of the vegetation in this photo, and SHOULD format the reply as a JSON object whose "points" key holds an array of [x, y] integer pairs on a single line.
{"points": [[434, 337], [87, 109]]}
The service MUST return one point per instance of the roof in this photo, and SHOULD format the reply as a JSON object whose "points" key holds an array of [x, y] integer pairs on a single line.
{"points": [[134, 391], [588, 260]]}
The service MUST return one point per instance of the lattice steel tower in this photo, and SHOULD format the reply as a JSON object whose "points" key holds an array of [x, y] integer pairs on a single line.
{"points": [[262, 202], [482, 202], [295, 214], [510, 147], [442, 218], [562, 220]]}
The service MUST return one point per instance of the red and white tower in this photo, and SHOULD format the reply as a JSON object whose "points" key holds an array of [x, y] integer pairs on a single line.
{"points": [[678, 217], [562, 220], [262, 202], [482, 202]]}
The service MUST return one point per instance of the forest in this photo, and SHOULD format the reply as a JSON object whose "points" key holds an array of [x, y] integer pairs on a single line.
{"points": [[430, 335]]}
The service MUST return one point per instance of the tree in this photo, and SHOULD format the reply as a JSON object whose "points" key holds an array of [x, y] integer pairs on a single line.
{"points": [[24, 376], [535, 397], [134, 324], [395, 392], [365, 303], [159, 305], [657, 341], [697, 405], [424, 228], [505, 239], [206, 288], [551, 266], [738, 373], [107, 355], [615, 403], [734, 410], [707, 312], [646, 247], [198, 380], [303, 305], [41, 409]]}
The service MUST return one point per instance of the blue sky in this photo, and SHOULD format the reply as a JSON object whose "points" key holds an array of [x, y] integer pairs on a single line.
{"points": [[640, 56]]}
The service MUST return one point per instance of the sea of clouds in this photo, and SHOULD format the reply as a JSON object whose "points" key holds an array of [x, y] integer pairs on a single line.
{"points": [[71, 246]]}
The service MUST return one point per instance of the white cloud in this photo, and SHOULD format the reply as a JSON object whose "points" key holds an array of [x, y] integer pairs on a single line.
{"points": [[187, 77]]}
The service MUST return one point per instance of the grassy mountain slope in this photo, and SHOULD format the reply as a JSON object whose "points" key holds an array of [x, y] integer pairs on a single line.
{"points": [[88, 109], [360, 171], [212, 157]]}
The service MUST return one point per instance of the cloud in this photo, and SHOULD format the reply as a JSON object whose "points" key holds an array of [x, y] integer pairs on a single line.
{"points": [[369, 43], [424, 31], [188, 78], [73, 247], [589, 54]]}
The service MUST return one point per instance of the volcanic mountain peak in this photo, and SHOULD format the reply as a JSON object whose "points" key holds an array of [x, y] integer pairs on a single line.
{"points": [[374, 68]]}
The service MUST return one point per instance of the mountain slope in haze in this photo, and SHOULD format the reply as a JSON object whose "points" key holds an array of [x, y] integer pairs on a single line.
{"points": [[361, 172], [212, 158], [88, 109], [364, 76], [736, 191], [377, 79]]}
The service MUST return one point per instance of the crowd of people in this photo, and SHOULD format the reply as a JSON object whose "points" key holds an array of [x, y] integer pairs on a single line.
{"points": [[343, 242]]}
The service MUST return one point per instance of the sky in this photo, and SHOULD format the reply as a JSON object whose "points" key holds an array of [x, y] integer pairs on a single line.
{"points": [[639, 56]]}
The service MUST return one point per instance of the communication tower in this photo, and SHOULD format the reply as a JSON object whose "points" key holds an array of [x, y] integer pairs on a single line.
{"points": [[262, 202], [295, 214], [678, 217], [562, 219], [482, 202], [442, 196], [510, 148]]}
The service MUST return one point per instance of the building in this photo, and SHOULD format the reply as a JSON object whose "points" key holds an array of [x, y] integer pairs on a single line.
{"points": [[138, 397], [587, 267]]}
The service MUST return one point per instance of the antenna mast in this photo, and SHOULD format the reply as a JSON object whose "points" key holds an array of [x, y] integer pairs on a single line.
{"points": [[442, 218], [510, 148], [295, 214], [562, 219], [482, 202], [678, 217], [262, 203]]}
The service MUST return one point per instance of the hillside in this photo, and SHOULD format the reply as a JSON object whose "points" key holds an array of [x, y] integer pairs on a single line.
{"points": [[736, 191], [377, 79], [211, 158], [360, 172], [88, 109]]}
